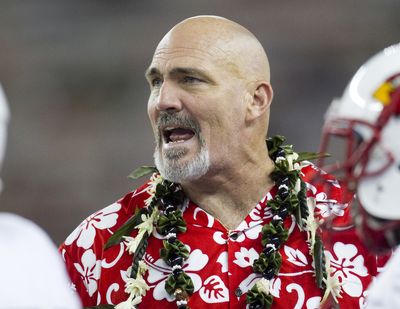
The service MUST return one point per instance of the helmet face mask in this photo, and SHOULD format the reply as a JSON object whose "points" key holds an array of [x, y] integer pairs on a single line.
{"points": [[367, 120], [357, 150]]}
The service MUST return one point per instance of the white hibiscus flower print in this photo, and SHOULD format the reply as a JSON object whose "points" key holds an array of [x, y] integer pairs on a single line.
{"points": [[223, 261], [86, 231], [314, 302], [257, 213], [214, 290], [250, 231], [89, 270], [327, 207], [347, 267], [295, 256], [243, 231], [245, 258], [159, 272]]}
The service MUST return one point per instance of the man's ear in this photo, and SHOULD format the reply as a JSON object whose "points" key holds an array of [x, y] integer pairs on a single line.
{"points": [[260, 101]]}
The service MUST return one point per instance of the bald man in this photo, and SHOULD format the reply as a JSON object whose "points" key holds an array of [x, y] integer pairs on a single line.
{"points": [[225, 221]]}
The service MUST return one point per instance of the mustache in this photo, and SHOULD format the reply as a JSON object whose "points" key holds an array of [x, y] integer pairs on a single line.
{"points": [[166, 119]]}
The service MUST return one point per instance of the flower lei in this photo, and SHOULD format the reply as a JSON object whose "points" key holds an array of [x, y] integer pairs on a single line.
{"points": [[163, 212]]}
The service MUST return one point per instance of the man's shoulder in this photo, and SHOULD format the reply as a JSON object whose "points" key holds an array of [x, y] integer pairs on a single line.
{"points": [[96, 229]]}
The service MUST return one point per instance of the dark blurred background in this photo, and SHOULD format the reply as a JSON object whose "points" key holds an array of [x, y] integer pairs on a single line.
{"points": [[73, 74]]}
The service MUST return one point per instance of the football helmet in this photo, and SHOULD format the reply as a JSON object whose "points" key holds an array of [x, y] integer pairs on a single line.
{"points": [[367, 117]]}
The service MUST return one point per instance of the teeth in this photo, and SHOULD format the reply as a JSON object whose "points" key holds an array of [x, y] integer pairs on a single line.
{"points": [[176, 135], [178, 141]]}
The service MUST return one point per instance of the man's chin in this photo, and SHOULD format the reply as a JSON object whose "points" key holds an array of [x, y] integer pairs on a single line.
{"points": [[181, 168], [173, 156]]}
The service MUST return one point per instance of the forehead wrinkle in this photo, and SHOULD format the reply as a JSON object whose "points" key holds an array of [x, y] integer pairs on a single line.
{"points": [[214, 53], [211, 51]]}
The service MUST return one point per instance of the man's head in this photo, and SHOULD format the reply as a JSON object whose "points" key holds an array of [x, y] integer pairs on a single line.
{"points": [[210, 94], [368, 118], [4, 115]]}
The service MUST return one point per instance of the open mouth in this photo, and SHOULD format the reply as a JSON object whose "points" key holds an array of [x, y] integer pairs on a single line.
{"points": [[177, 135]]}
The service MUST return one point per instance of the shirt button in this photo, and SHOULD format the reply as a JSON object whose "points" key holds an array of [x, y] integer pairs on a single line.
{"points": [[238, 292], [234, 236]]}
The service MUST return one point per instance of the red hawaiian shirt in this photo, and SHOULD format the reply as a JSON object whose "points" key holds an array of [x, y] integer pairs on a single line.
{"points": [[220, 261]]}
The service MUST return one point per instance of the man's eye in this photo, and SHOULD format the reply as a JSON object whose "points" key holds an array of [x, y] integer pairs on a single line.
{"points": [[191, 80], [155, 82]]}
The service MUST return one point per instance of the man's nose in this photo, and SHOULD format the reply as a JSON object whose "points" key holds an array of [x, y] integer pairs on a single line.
{"points": [[169, 98]]}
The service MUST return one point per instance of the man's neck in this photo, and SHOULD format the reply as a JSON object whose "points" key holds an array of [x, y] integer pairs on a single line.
{"points": [[230, 196]]}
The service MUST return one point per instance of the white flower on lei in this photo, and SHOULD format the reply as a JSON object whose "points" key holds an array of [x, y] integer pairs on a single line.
{"points": [[275, 284], [142, 267], [327, 207], [263, 286], [89, 270], [155, 179], [333, 286], [86, 231], [130, 303], [136, 288], [132, 242], [147, 225], [290, 158], [312, 224], [347, 267]]}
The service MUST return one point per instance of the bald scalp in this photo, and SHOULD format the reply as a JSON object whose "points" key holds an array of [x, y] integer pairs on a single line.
{"points": [[238, 47]]}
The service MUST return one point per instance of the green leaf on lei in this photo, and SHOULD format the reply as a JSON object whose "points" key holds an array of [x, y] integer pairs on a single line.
{"points": [[292, 202], [274, 230], [139, 253], [308, 156], [126, 229], [302, 211], [182, 281], [319, 260], [174, 219], [273, 143], [142, 171], [255, 296], [281, 171], [282, 166], [177, 248], [263, 262]]}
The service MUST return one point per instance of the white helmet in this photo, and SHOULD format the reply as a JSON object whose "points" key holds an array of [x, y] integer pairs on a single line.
{"points": [[368, 117], [4, 116]]}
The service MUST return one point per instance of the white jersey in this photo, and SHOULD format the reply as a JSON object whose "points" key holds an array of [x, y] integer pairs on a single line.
{"points": [[32, 273], [384, 292]]}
